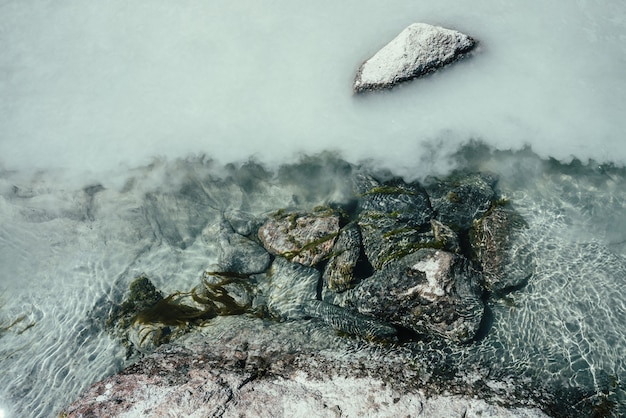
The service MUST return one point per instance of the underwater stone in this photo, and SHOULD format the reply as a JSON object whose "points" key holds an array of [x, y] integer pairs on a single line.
{"points": [[393, 219], [460, 199], [492, 238], [243, 223], [288, 287], [407, 202], [430, 291], [339, 272], [352, 323], [418, 50], [302, 238], [121, 321], [238, 254]]}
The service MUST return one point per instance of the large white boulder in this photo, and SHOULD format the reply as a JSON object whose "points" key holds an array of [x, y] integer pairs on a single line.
{"points": [[419, 49]]}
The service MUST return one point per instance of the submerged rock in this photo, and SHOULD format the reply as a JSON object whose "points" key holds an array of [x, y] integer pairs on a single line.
{"points": [[431, 292], [418, 50], [302, 238], [290, 292], [350, 322], [242, 222], [491, 238], [238, 254], [121, 322], [460, 199], [393, 219], [288, 287], [445, 237], [339, 272]]}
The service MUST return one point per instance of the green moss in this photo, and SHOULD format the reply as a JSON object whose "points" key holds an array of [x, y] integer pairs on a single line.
{"points": [[387, 190], [143, 291], [143, 295], [324, 210], [310, 246], [399, 231], [410, 249], [454, 197]]}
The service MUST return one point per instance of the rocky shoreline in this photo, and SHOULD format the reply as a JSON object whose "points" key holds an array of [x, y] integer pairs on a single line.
{"points": [[354, 308], [251, 368], [401, 264]]}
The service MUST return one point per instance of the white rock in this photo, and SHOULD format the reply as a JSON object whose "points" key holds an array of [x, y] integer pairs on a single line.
{"points": [[419, 49]]}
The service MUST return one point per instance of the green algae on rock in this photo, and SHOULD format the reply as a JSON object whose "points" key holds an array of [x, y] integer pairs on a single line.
{"points": [[491, 238], [305, 238], [431, 292]]}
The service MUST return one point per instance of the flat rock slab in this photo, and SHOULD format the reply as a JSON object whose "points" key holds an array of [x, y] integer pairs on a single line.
{"points": [[418, 50], [252, 369]]}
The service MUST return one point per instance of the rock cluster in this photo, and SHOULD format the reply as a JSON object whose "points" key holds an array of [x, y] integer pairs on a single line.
{"points": [[403, 262], [407, 256], [418, 50]]}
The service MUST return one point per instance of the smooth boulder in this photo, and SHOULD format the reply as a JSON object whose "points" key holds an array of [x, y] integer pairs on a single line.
{"points": [[505, 266], [238, 254], [418, 50]]}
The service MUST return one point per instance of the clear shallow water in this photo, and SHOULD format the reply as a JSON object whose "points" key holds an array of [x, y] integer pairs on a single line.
{"points": [[93, 92], [63, 261]]}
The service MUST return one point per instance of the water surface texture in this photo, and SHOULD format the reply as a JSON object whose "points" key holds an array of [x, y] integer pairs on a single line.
{"points": [[127, 128]]}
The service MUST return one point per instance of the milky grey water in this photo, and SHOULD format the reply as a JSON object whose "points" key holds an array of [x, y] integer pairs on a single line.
{"points": [[107, 108]]}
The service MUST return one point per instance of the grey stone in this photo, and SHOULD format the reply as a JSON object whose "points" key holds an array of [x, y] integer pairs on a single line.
{"points": [[432, 292], [288, 287], [339, 272], [460, 199], [350, 322], [418, 50], [238, 254], [243, 223], [393, 219]]}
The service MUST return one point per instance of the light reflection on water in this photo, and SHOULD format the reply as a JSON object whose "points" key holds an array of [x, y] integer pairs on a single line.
{"points": [[565, 328]]}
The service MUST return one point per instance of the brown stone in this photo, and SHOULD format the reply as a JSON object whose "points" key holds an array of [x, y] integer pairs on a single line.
{"points": [[301, 238]]}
